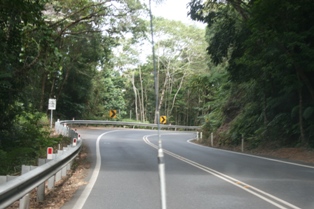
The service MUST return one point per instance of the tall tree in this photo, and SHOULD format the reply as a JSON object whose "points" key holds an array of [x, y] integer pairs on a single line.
{"points": [[269, 67]]}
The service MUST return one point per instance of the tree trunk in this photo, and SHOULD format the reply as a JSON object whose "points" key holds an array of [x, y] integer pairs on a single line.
{"points": [[175, 96], [63, 83], [142, 98], [135, 96], [163, 92], [302, 138], [42, 96], [304, 78]]}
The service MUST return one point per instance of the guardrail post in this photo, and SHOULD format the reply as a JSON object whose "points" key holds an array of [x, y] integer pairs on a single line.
{"points": [[59, 173], [24, 201], [69, 165], [3, 179], [63, 171], [51, 180], [197, 135], [41, 188]]}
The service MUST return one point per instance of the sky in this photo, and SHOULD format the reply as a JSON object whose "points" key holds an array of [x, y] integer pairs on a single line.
{"points": [[174, 10]]}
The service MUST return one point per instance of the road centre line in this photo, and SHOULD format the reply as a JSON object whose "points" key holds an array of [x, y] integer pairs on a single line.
{"points": [[253, 190]]}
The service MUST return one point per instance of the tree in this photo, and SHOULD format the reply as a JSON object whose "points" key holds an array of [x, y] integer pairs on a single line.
{"points": [[265, 48]]}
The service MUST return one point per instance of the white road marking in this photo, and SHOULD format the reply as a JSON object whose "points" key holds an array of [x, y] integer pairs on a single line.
{"points": [[253, 190], [86, 192]]}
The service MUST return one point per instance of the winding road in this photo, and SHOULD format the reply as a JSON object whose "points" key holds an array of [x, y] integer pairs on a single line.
{"points": [[124, 175]]}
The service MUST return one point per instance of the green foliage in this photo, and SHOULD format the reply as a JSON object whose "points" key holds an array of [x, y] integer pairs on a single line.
{"points": [[27, 141], [54, 49], [269, 66]]}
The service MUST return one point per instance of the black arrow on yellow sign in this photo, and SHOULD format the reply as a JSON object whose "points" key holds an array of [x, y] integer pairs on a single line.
{"points": [[113, 113], [163, 119]]}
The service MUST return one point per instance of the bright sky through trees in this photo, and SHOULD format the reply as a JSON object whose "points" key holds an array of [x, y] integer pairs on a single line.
{"points": [[174, 10]]}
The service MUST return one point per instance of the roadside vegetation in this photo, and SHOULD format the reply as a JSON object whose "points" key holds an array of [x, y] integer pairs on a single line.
{"points": [[248, 73]]}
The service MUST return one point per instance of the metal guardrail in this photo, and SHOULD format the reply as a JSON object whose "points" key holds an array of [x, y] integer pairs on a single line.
{"points": [[131, 124], [21, 186]]}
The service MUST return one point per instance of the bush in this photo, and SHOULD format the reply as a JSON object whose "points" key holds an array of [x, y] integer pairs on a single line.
{"points": [[27, 141]]}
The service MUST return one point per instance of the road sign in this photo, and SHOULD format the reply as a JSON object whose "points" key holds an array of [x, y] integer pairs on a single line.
{"points": [[49, 153], [113, 113], [52, 104], [163, 119]]}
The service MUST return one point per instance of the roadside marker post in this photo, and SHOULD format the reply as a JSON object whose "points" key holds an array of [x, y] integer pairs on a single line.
{"points": [[74, 142], [49, 153]]}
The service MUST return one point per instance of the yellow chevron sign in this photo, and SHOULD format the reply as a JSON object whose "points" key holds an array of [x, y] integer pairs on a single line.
{"points": [[163, 119], [113, 113]]}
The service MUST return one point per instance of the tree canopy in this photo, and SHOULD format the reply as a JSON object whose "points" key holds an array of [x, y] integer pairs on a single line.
{"points": [[268, 46]]}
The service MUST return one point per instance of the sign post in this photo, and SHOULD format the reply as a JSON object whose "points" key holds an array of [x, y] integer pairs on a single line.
{"points": [[52, 103]]}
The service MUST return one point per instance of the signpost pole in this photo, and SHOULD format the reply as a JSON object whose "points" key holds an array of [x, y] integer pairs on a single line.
{"points": [[51, 119], [161, 161]]}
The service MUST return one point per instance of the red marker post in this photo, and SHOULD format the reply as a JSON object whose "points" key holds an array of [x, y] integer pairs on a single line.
{"points": [[74, 142], [49, 153]]}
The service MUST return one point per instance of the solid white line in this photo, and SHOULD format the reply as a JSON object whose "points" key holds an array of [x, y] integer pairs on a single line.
{"points": [[83, 197], [258, 193], [264, 158]]}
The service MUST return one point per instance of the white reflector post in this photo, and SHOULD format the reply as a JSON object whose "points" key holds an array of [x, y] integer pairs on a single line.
{"points": [[74, 142], [49, 153]]}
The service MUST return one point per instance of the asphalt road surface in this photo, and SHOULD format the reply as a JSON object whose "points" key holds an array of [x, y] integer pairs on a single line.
{"points": [[124, 175]]}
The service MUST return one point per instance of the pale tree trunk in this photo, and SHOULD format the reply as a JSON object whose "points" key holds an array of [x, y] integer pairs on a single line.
{"points": [[142, 97], [135, 96], [162, 93], [157, 93], [62, 85], [164, 86], [175, 96], [139, 104]]}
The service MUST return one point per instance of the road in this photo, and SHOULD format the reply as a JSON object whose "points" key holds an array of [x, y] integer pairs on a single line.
{"points": [[124, 175]]}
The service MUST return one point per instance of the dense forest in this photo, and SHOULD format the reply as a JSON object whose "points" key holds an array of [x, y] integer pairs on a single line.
{"points": [[249, 73]]}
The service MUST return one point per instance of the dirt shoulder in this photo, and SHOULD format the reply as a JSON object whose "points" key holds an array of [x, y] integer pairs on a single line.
{"points": [[300, 155]]}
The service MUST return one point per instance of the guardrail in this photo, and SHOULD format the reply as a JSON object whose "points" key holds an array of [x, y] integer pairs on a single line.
{"points": [[130, 124], [20, 187]]}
